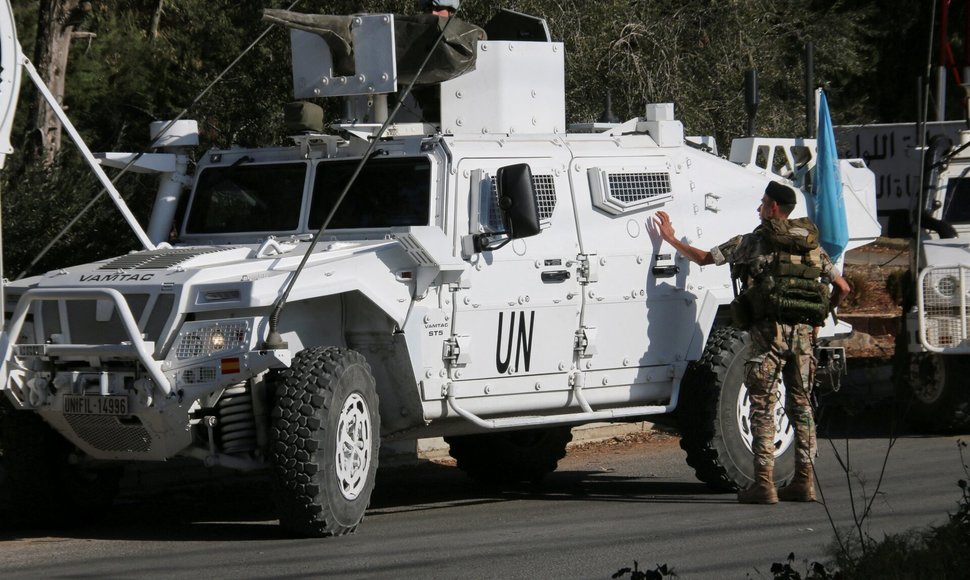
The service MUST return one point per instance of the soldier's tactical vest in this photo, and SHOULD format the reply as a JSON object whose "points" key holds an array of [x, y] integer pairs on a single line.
{"points": [[789, 289]]}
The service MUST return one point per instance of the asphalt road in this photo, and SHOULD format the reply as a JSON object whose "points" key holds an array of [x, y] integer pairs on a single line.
{"points": [[605, 508]]}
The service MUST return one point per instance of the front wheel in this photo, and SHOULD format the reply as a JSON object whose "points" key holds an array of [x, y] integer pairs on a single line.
{"points": [[325, 442], [713, 417]]}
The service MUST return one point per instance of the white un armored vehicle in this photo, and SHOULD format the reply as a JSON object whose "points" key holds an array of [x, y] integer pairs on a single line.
{"points": [[490, 277], [933, 351]]}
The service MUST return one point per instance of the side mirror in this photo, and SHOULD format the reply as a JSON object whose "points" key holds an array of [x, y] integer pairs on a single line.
{"points": [[517, 202]]}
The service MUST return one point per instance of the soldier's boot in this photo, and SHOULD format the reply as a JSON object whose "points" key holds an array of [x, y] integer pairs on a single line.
{"points": [[802, 486], [762, 490]]}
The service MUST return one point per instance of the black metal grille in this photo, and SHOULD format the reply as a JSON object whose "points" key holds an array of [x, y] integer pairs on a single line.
{"points": [[110, 433], [545, 188], [158, 259], [627, 188]]}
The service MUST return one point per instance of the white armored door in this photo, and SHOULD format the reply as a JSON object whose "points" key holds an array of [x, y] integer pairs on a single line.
{"points": [[517, 310], [637, 320]]}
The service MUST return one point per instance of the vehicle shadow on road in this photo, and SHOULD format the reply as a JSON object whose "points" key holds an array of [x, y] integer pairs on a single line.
{"points": [[241, 508], [879, 421], [598, 486], [431, 486]]}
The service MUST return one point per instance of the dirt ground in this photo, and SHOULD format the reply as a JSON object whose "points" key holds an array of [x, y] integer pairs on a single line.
{"points": [[873, 307], [582, 451], [870, 294], [622, 443]]}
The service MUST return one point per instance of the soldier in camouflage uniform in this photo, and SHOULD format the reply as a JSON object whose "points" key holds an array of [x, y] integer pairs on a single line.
{"points": [[777, 349]]}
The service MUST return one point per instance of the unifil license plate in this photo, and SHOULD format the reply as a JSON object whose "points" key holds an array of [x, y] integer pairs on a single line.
{"points": [[95, 405]]}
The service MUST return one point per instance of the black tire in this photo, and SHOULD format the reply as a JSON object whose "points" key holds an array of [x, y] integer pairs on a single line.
{"points": [[46, 486], [511, 456], [325, 442], [713, 422], [933, 392]]}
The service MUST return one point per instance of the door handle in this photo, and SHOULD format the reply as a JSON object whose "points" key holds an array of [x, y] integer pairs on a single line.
{"points": [[665, 271], [555, 276]]}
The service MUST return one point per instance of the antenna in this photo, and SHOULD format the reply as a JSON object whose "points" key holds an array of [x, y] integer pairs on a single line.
{"points": [[607, 116], [811, 122], [751, 98]]}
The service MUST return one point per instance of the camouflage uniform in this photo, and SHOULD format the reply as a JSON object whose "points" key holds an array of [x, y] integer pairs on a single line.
{"points": [[776, 347]]}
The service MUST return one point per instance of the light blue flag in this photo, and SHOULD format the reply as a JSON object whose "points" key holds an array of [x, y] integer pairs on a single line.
{"points": [[827, 187]]}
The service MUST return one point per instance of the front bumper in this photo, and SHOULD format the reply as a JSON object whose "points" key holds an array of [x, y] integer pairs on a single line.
{"points": [[153, 403]]}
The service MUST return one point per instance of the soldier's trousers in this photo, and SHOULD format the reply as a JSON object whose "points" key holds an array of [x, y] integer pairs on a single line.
{"points": [[781, 351]]}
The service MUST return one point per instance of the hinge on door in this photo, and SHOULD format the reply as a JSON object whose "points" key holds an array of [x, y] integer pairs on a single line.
{"points": [[584, 342], [455, 350], [588, 268], [710, 202]]}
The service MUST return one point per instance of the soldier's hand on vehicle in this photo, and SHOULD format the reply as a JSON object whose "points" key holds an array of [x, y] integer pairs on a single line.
{"points": [[665, 226]]}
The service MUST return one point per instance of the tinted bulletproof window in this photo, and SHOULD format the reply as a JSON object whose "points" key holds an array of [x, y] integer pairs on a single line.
{"points": [[957, 206], [247, 198], [388, 192]]}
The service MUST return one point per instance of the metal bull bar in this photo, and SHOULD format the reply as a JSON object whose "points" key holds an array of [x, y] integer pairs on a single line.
{"points": [[138, 348], [943, 307]]}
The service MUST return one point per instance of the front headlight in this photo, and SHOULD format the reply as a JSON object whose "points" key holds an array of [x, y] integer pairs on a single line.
{"points": [[942, 287], [947, 286], [206, 338]]}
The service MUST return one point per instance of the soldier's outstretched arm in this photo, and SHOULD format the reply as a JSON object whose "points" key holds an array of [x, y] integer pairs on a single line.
{"points": [[666, 229], [840, 289]]}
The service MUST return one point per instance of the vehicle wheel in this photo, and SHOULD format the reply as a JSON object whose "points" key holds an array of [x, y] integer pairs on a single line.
{"points": [[45, 483], [510, 456], [713, 417], [325, 442], [934, 393]]}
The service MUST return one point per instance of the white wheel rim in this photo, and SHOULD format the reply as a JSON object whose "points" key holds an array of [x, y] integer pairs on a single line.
{"points": [[353, 446], [784, 433]]}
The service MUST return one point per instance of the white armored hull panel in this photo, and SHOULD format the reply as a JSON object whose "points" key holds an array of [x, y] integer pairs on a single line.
{"points": [[516, 87]]}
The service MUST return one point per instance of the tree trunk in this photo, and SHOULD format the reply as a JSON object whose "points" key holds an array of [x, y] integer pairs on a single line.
{"points": [[55, 27], [156, 19]]}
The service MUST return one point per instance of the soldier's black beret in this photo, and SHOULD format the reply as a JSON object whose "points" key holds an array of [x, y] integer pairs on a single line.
{"points": [[781, 193]]}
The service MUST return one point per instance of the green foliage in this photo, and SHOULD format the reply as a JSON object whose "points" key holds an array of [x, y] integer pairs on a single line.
{"points": [[658, 573], [47, 198], [813, 570], [937, 552], [126, 77]]}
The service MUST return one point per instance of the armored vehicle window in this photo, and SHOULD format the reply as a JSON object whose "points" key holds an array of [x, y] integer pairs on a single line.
{"points": [[247, 198], [957, 208], [388, 192]]}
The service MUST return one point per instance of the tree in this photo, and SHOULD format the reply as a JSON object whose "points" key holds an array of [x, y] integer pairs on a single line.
{"points": [[55, 30]]}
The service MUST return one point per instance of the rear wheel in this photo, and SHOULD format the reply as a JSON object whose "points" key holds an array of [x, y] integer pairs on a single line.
{"points": [[713, 417], [512, 456], [326, 438], [45, 480]]}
